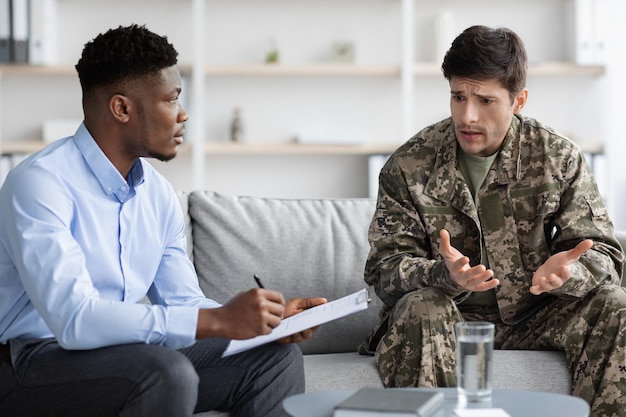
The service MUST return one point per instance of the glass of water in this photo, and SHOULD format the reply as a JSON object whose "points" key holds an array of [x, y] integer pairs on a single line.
{"points": [[474, 354]]}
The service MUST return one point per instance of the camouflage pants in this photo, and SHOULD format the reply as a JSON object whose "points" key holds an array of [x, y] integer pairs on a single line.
{"points": [[419, 346]]}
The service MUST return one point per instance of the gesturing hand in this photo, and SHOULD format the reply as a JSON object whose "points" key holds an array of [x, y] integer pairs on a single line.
{"points": [[472, 278], [557, 269]]}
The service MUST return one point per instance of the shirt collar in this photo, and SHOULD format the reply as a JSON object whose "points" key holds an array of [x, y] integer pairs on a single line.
{"points": [[108, 176]]}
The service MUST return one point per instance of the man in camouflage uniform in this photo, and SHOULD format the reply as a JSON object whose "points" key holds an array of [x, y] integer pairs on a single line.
{"points": [[489, 215]]}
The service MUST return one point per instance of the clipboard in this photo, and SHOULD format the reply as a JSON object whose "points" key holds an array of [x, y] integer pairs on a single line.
{"points": [[307, 319]]}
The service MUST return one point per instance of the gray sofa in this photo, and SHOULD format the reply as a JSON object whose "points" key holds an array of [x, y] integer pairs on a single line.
{"points": [[318, 248]]}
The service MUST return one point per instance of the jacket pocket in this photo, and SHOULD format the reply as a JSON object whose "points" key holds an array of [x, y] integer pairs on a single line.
{"points": [[533, 215]]}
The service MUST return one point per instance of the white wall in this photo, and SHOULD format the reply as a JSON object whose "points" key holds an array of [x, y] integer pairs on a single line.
{"points": [[333, 176], [615, 117]]}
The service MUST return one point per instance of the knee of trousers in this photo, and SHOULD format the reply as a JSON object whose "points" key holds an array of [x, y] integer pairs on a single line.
{"points": [[172, 371], [425, 303], [291, 357]]}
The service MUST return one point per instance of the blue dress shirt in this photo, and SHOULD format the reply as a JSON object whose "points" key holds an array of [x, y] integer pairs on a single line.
{"points": [[80, 247]]}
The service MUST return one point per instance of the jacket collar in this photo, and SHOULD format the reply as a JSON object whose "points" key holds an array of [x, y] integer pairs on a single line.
{"points": [[448, 185]]}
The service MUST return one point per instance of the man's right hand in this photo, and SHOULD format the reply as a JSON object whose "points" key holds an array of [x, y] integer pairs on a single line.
{"points": [[472, 278], [246, 315]]}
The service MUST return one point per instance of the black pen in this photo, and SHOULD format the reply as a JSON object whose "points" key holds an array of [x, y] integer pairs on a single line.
{"points": [[258, 281]]}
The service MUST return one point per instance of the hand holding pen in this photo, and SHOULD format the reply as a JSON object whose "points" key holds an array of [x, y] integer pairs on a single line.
{"points": [[295, 306]]}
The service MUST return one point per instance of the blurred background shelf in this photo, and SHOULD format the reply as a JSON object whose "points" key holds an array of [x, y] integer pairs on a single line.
{"points": [[421, 69], [260, 148], [388, 88]]}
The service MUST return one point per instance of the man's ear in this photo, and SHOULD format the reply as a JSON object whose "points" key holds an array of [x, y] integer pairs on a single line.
{"points": [[520, 100], [120, 106]]}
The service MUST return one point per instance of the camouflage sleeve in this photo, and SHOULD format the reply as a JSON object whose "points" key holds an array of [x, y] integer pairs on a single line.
{"points": [[401, 257], [583, 215]]}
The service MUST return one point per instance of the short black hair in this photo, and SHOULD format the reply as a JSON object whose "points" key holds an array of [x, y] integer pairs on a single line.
{"points": [[484, 53], [121, 55]]}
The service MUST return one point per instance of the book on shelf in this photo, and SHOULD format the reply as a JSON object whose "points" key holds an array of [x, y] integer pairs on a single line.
{"points": [[389, 402]]}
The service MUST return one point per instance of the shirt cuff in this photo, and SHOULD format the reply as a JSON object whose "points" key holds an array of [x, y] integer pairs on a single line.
{"points": [[182, 324]]}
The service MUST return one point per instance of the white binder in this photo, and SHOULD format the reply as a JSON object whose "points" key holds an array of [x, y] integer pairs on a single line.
{"points": [[43, 32], [586, 33]]}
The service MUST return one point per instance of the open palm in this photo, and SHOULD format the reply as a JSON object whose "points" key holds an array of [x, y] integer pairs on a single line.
{"points": [[557, 269]]}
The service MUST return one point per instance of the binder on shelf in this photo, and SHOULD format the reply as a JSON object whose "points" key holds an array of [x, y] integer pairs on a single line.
{"points": [[602, 32], [5, 31], [42, 39], [586, 31], [19, 31]]}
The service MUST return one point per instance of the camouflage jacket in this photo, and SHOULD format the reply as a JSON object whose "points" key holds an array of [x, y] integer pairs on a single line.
{"points": [[539, 198]]}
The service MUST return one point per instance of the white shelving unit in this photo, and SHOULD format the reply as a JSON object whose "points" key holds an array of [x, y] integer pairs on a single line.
{"points": [[310, 90]]}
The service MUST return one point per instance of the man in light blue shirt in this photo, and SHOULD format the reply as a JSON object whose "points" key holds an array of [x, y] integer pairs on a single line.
{"points": [[87, 229]]}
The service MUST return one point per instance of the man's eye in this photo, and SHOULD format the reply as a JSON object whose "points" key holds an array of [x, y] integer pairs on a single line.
{"points": [[487, 101], [457, 98]]}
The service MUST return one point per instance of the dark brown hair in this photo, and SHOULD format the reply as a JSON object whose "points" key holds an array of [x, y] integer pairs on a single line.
{"points": [[484, 53]]}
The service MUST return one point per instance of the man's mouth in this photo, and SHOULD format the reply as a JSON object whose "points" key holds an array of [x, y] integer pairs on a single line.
{"points": [[468, 134], [179, 136]]}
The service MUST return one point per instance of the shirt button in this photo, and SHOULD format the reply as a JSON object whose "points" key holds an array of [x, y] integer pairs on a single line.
{"points": [[123, 188], [109, 189]]}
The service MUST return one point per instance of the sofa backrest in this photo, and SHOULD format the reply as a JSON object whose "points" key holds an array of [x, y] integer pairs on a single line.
{"points": [[301, 247]]}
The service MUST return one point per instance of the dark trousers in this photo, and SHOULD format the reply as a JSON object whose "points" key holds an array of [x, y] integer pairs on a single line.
{"points": [[38, 378]]}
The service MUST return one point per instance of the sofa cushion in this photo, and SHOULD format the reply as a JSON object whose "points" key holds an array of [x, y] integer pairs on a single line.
{"points": [[512, 369], [301, 247], [183, 198]]}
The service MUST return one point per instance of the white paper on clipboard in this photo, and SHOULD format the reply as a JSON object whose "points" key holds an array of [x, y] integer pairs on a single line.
{"points": [[312, 317]]}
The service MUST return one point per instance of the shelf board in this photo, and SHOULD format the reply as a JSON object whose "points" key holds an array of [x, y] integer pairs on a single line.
{"points": [[325, 69], [593, 148], [428, 69], [227, 70], [272, 148], [291, 148], [260, 148], [54, 70], [424, 69], [31, 146], [21, 147], [37, 70], [565, 68], [248, 148]]}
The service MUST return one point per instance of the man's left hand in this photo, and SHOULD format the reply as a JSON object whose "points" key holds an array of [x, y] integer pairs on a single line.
{"points": [[557, 269], [295, 306]]}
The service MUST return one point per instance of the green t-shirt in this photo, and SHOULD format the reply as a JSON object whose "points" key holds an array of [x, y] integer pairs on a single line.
{"points": [[475, 169]]}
